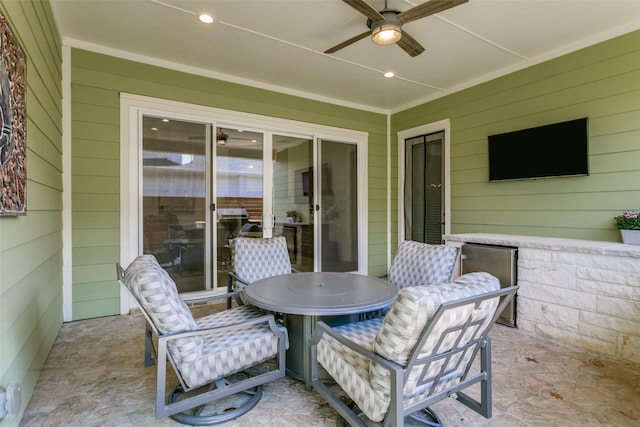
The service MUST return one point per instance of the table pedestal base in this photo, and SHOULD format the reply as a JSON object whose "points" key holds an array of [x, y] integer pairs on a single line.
{"points": [[301, 329]]}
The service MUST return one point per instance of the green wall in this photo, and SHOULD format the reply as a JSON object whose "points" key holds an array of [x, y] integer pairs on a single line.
{"points": [[97, 81], [601, 82], [31, 245]]}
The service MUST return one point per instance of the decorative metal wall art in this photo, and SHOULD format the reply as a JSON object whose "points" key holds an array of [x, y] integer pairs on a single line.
{"points": [[13, 121]]}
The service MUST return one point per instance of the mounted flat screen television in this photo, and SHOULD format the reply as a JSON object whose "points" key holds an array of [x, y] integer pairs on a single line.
{"points": [[555, 150]]}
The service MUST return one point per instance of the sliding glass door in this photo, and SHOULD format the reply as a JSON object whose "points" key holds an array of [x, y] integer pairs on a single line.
{"points": [[204, 185], [337, 183], [293, 202], [315, 198], [239, 197], [174, 208]]}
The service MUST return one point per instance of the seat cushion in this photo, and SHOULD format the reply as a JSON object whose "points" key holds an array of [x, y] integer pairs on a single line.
{"points": [[229, 317], [412, 311], [229, 351], [235, 316], [350, 370], [157, 294], [418, 264]]}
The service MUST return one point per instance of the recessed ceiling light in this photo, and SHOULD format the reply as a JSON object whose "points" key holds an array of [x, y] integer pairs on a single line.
{"points": [[165, 120], [207, 19], [389, 74], [154, 129]]}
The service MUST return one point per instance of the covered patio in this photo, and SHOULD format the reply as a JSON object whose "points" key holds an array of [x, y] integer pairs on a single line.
{"points": [[94, 376], [79, 362]]}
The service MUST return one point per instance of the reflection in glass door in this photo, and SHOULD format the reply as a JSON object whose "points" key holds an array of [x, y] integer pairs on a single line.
{"points": [[293, 198], [338, 189], [238, 192], [311, 199], [174, 199]]}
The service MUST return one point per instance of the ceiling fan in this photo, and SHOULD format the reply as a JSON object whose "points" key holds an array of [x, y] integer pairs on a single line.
{"points": [[385, 26], [221, 137]]}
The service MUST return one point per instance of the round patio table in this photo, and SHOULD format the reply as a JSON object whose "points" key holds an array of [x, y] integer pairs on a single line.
{"points": [[305, 298]]}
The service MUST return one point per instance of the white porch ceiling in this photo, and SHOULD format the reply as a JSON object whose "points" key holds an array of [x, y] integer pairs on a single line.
{"points": [[279, 44]]}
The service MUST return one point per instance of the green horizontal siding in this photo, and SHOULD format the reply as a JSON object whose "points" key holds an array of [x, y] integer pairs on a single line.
{"points": [[97, 81], [31, 245], [89, 184], [601, 82], [95, 306], [95, 255]]}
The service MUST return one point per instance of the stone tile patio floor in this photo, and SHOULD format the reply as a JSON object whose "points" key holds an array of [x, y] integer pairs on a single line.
{"points": [[94, 376]]}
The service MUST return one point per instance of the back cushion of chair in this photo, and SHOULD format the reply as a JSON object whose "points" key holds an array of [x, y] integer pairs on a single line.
{"points": [[255, 258], [418, 264], [412, 311], [157, 294]]}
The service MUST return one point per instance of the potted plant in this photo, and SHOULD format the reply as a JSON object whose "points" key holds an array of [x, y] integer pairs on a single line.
{"points": [[293, 215], [628, 222]]}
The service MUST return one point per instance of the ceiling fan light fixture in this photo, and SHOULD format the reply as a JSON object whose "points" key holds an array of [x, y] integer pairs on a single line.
{"points": [[221, 138], [386, 33]]}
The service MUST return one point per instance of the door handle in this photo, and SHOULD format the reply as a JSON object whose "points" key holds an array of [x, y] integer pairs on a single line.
{"points": [[268, 224]]}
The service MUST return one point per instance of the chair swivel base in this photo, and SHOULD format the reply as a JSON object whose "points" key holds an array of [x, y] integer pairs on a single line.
{"points": [[426, 417], [219, 411]]}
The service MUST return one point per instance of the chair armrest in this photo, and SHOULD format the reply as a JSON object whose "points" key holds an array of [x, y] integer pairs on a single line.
{"points": [[322, 329], [237, 278], [234, 276], [213, 297], [267, 318]]}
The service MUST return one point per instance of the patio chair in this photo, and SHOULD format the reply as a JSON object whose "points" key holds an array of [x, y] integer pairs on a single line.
{"points": [[211, 355], [421, 352], [257, 258], [419, 263]]}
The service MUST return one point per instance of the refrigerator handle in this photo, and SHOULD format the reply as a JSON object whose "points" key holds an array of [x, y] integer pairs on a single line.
{"points": [[462, 257]]}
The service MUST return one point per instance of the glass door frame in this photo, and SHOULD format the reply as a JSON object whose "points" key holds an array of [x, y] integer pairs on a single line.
{"points": [[440, 126], [132, 107]]}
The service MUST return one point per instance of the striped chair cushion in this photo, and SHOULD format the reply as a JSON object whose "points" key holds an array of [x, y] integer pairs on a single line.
{"points": [[418, 264], [233, 317], [157, 294], [412, 310], [255, 259], [350, 370], [229, 351]]}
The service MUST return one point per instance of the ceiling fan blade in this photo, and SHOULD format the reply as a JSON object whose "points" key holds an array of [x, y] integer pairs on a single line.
{"points": [[364, 8], [410, 45], [348, 42], [427, 8]]}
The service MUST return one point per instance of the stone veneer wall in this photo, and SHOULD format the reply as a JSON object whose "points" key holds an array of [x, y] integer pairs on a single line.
{"points": [[585, 293]]}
